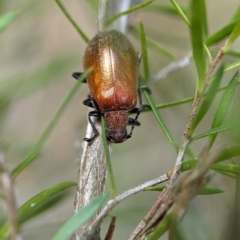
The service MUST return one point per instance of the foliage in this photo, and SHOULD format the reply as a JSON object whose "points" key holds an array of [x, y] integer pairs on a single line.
{"points": [[212, 118]]}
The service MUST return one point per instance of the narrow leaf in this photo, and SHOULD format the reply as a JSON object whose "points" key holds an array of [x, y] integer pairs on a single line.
{"points": [[224, 106], [108, 159], [210, 191], [159, 48], [167, 9], [236, 16], [144, 52], [35, 151], [207, 101], [228, 153], [159, 118], [156, 188], [77, 220], [93, 4], [205, 191], [180, 12], [72, 21], [197, 39], [231, 175], [233, 53], [221, 34], [186, 100], [7, 19], [33, 203], [187, 165], [152, 44], [161, 228], [214, 131], [25, 211], [233, 65], [229, 168], [204, 17], [233, 36], [133, 9], [219, 167]]}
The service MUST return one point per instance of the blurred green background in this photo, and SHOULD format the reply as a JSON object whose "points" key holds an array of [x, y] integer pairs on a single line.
{"points": [[38, 53]]}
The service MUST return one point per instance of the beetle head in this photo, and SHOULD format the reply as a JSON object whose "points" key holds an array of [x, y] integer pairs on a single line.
{"points": [[116, 124]]}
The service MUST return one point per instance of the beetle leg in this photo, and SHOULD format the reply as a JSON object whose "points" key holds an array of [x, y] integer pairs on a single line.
{"points": [[138, 110], [133, 122], [96, 133], [77, 75], [88, 102]]}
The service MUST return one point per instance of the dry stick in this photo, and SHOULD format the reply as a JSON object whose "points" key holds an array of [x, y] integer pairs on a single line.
{"points": [[91, 177], [9, 197], [192, 183], [189, 186], [185, 141], [113, 202], [111, 229]]}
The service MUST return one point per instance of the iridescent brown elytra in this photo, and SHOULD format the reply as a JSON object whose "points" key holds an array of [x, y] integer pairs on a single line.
{"points": [[113, 83]]}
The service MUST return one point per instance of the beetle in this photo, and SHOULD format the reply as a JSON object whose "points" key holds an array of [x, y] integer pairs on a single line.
{"points": [[113, 84]]}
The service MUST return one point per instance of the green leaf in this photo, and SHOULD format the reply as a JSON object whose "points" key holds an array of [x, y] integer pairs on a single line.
{"points": [[162, 228], [167, 9], [77, 220], [47, 74], [180, 12], [204, 17], [152, 44], [221, 34], [197, 39], [172, 104], [223, 106], [7, 19], [72, 21], [108, 159], [179, 102], [233, 65], [35, 151], [207, 100], [28, 209], [214, 131], [231, 175], [219, 167], [144, 52], [210, 191], [236, 16], [205, 191], [228, 153], [229, 168], [187, 165], [233, 53], [93, 4], [159, 118], [233, 36], [155, 188], [133, 9]]}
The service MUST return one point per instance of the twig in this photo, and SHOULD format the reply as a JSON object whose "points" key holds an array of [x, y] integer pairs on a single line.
{"points": [[91, 175], [178, 200], [170, 68], [113, 202], [9, 197], [111, 229], [237, 207], [185, 141]]}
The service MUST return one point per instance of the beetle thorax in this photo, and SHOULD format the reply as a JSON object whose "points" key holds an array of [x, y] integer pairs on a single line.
{"points": [[116, 124]]}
